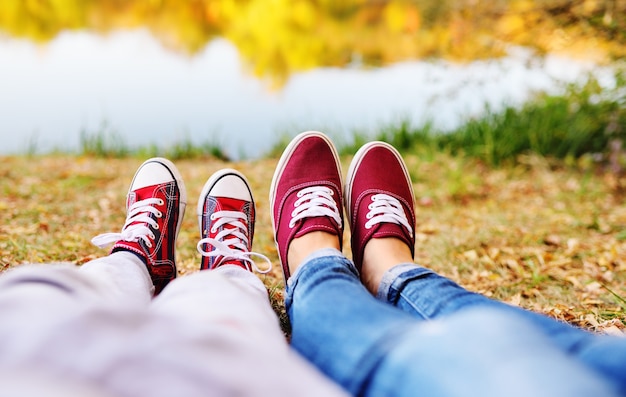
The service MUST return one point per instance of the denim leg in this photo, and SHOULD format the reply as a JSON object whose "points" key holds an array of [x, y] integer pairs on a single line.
{"points": [[424, 294], [337, 324], [473, 353]]}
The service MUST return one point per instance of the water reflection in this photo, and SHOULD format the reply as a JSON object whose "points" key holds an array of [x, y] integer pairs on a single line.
{"points": [[151, 95]]}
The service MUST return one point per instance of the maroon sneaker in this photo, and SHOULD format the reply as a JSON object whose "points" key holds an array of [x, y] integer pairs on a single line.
{"points": [[305, 194], [379, 198], [226, 214], [155, 206]]}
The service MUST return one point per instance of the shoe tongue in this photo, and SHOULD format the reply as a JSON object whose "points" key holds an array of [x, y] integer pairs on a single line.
{"points": [[379, 230], [382, 230], [231, 204], [141, 194], [318, 223]]}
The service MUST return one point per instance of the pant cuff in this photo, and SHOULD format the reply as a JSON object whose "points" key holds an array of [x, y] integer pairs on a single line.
{"points": [[390, 277]]}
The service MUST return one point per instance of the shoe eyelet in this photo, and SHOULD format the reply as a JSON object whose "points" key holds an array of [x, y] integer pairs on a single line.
{"points": [[149, 244], [156, 227], [152, 236], [299, 194], [212, 217], [161, 202], [159, 214], [369, 215], [213, 230], [370, 207]]}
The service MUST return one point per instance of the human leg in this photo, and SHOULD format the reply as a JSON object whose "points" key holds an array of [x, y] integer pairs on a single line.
{"points": [[38, 301], [335, 322], [210, 333], [51, 295], [375, 349], [228, 336], [487, 352], [228, 340], [382, 241], [424, 294], [72, 323], [155, 205]]}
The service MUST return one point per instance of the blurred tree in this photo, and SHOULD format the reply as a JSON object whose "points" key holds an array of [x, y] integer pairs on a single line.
{"points": [[278, 37]]}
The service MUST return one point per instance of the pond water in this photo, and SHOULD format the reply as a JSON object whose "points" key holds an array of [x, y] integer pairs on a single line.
{"points": [[128, 82]]}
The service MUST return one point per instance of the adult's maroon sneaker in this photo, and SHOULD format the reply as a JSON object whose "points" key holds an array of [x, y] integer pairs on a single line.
{"points": [[306, 192], [155, 206], [379, 198]]}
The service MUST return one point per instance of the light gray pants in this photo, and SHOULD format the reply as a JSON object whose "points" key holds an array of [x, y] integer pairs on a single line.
{"points": [[95, 330]]}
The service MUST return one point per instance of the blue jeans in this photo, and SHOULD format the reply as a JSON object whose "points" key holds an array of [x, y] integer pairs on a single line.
{"points": [[426, 335]]}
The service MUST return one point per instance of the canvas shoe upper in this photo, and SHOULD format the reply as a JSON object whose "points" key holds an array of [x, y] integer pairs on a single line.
{"points": [[226, 214], [305, 194], [379, 198], [155, 206]]}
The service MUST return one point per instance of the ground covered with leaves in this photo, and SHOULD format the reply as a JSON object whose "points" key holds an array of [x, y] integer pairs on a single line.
{"points": [[538, 234]]}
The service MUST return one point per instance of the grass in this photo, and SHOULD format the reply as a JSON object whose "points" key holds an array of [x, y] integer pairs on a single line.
{"points": [[108, 143], [538, 234], [587, 119]]}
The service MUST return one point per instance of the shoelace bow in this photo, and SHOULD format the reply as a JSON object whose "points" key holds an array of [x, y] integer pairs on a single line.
{"points": [[385, 208], [315, 201], [231, 243], [137, 226]]}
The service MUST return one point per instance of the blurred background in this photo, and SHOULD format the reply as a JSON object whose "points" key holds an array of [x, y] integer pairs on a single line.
{"points": [[241, 74]]}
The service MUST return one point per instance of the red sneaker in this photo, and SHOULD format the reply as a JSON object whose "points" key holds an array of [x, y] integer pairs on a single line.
{"points": [[155, 206], [379, 198], [305, 194], [226, 215]]}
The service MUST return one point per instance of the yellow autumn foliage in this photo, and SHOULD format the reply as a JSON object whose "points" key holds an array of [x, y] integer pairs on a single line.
{"points": [[278, 37]]}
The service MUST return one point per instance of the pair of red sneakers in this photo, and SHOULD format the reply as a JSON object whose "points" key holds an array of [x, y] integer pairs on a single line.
{"points": [[156, 205], [306, 195]]}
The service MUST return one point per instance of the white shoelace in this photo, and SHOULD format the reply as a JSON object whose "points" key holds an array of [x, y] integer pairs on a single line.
{"points": [[315, 201], [385, 208], [231, 242], [137, 226]]}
